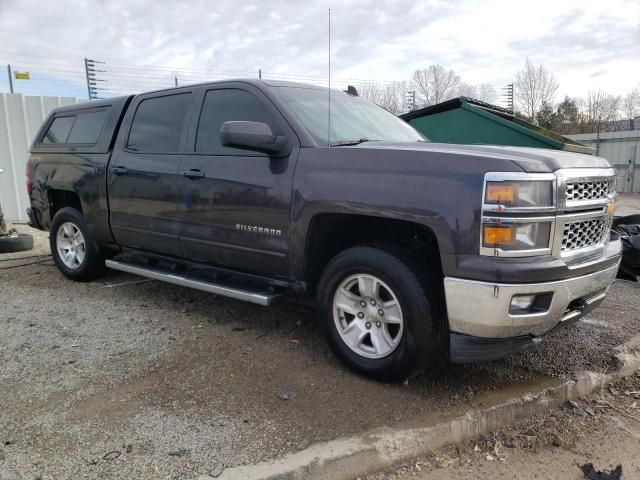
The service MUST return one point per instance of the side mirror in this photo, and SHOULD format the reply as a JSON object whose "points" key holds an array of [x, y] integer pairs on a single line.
{"points": [[255, 136]]}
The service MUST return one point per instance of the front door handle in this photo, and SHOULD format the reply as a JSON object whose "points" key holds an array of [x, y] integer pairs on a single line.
{"points": [[119, 170], [193, 173]]}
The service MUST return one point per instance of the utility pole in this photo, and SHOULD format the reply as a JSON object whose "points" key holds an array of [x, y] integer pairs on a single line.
{"points": [[86, 71], [92, 81], [259, 73], [10, 79], [410, 100], [175, 78], [508, 95]]}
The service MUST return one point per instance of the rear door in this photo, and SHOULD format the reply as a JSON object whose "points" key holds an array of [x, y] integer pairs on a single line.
{"points": [[236, 203], [143, 172]]}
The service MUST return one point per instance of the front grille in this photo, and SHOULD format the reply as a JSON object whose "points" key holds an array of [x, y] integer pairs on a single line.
{"points": [[584, 234], [590, 190]]}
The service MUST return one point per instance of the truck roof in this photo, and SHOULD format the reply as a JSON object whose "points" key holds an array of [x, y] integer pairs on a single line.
{"points": [[252, 81], [108, 102], [120, 101]]}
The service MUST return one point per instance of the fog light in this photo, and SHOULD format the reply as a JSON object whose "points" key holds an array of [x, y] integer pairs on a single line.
{"points": [[528, 304], [522, 303]]}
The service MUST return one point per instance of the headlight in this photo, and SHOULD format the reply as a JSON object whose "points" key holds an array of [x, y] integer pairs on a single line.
{"points": [[519, 194], [517, 236], [518, 214]]}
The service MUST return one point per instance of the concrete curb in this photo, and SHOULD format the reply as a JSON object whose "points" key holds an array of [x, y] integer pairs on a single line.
{"points": [[379, 449]]}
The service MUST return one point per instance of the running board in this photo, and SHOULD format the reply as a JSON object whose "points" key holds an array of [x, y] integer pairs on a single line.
{"points": [[260, 297]]}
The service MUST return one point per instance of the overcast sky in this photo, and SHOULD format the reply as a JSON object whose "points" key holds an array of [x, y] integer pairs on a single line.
{"points": [[586, 44]]}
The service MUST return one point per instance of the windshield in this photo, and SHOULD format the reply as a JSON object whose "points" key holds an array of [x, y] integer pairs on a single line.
{"points": [[353, 120]]}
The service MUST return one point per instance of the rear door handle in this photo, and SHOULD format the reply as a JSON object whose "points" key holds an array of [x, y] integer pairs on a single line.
{"points": [[119, 170], [193, 174]]}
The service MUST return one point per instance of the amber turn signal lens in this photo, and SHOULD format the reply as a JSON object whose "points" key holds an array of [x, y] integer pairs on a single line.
{"points": [[494, 236], [498, 193]]}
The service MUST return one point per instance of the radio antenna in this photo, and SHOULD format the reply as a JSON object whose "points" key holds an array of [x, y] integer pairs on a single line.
{"points": [[329, 99]]}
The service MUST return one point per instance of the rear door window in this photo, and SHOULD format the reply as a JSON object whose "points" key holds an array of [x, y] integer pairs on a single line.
{"points": [[87, 127], [59, 129], [157, 124]]}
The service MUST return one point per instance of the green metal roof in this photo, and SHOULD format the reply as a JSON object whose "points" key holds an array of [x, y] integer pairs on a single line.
{"points": [[469, 121]]}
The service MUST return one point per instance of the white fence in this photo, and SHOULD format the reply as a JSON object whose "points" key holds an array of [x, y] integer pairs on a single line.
{"points": [[622, 149], [20, 119]]}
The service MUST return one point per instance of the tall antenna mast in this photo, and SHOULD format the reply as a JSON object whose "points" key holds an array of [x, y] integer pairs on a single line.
{"points": [[329, 109]]}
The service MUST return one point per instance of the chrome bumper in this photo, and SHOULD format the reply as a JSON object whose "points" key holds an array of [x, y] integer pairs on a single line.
{"points": [[481, 309]]}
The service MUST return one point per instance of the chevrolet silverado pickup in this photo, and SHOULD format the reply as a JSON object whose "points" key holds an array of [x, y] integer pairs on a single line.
{"points": [[414, 252]]}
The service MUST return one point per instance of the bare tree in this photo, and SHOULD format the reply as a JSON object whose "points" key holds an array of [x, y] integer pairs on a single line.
{"points": [[432, 85], [389, 96], [599, 108], [533, 87], [374, 92], [631, 105], [394, 97], [484, 93], [466, 90], [435, 84], [487, 93]]}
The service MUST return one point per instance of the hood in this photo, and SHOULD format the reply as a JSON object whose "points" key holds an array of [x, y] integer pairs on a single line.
{"points": [[532, 160]]}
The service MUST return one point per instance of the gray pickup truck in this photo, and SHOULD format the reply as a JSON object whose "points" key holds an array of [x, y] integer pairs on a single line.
{"points": [[415, 252]]}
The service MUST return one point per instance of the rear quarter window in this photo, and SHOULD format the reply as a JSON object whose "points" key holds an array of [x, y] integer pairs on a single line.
{"points": [[59, 129], [87, 127], [80, 128]]}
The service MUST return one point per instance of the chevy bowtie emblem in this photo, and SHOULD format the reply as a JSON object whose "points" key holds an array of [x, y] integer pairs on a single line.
{"points": [[611, 208], [257, 229]]}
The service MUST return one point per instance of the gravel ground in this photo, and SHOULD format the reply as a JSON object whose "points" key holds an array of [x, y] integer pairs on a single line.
{"points": [[602, 429], [129, 378]]}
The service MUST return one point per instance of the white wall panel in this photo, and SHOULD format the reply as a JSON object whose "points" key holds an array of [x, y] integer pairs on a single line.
{"points": [[622, 149], [20, 119]]}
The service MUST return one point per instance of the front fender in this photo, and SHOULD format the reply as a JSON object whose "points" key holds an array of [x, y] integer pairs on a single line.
{"points": [[441, 192]]}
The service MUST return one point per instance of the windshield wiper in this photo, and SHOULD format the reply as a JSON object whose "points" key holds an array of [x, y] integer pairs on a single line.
{"points": [[349, 142]]}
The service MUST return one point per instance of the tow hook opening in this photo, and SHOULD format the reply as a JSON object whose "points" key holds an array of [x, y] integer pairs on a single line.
{"points": [[584, 304]]}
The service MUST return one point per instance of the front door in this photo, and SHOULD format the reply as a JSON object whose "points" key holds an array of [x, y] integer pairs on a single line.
{"points": [[143, 174], [235, 203]]}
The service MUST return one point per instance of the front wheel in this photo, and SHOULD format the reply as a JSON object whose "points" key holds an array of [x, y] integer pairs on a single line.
{"points": [[72, 247], [381, 315]]}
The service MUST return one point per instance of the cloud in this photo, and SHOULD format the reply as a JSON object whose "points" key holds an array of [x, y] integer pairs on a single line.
{"points": [[484, 41]]}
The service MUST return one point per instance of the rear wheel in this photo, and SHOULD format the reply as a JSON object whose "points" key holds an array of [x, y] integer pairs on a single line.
{"points": [[72, 246], [381, 316]]}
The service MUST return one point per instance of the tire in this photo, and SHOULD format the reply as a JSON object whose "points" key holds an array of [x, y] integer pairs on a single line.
{"points": [[418, 341], [89, 262], [16, 243]]}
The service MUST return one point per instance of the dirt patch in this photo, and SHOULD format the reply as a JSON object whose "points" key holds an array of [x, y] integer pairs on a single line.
{"points": [[602, 429]]}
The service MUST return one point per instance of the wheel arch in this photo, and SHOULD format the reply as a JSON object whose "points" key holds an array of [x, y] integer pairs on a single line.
{"points": [[330, 233], [60, 198]]}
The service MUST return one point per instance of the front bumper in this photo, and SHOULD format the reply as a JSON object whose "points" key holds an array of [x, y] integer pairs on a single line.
{"points": [[481, 309]]}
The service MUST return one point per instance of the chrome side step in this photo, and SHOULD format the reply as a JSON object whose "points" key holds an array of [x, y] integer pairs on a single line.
{"points": [[263, 297]]}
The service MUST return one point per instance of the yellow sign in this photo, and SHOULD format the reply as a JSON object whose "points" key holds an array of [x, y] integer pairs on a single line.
{"points": [[22, 75]]}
